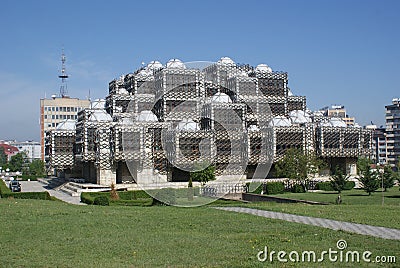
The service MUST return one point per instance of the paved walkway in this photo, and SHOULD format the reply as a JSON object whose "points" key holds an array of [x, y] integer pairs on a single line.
{"points": [[35, 186], [381, 232]]}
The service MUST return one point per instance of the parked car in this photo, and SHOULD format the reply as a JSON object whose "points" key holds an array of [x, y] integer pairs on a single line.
{"points": [[15, 186]]}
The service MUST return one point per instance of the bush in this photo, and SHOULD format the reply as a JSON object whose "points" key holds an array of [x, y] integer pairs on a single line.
{"points": [[87, 198], [327, 186], [324, 186], [298, 188], [349, 185], [3, 188], [29, 177], [142, 202], [28, 195], [101, 201], [274, 187], [258, 190]]}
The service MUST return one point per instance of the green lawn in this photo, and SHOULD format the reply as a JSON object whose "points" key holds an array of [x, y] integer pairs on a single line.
{"points": [[357, 207], [37, 233]]}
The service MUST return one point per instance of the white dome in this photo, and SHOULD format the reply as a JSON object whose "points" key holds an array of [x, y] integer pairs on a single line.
{"points": [[146, 116], [98, 104], [290, 93], [318, 113], [280, 121], [226, 61], [242, 73], [122, 91], [299, 117], [263, 68], [253, 128], [337, 122], [175, 63], [154, 65], [100, 116], [145, 72], [126, 121], [221, 97], [187, 125], [68, 124]]}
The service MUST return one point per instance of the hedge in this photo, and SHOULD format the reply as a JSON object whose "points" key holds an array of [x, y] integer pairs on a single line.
{"points": [[3, 188], [298, 188], [327, 186], [28, 195], [142, 202], [101, 201], [324, 186], [275, 188], [127, 198], [29, 177], [258, 190]]}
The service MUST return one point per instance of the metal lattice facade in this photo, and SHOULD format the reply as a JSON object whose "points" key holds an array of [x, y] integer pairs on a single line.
{"points": [[232, 109]]}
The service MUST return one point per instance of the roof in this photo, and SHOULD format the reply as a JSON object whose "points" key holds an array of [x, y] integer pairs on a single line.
{"points": [[8, 149], [187, 125], [221, 97], [146, 116], [68, 124]]}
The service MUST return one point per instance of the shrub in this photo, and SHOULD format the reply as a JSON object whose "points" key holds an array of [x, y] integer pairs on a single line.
{"points": [[324, 186], [87, 198], [258, 190], [30, 177], [298, 188], [101, 201], [113, 193], [3, 188], [275, 187], [29, 195], [349, 185], [142, 202]]}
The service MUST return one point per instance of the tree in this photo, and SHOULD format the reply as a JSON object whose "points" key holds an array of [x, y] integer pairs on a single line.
{"points": [[298, 166], [17, 161], [362, 164], [368, 178], [204, 173], [389, 176], [36, 168], [339, 180], [3, 158]]}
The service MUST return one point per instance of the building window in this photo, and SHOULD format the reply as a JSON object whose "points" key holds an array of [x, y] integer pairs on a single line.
{"points": [[53, 116], [45, 116], [56, 109]]}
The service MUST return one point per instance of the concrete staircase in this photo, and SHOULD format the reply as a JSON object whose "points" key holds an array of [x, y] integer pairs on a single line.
{"points": [[75, 189]]}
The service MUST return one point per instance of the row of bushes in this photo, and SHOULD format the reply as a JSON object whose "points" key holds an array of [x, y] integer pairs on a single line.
{"points": [[277, 188], [327, 186], [126, 198], [5, 192]]}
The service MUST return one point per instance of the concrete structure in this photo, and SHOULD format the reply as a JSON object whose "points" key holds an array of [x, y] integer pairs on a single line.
{"points": [[339, 111], [378, 144], [393, 132], [32, 149], [55, 110], [160, 120]]}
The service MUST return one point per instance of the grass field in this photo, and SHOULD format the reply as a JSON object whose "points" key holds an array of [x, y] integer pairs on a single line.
{"points": [[38, 233]]}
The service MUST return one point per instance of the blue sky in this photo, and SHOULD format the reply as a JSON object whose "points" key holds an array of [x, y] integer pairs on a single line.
{"points": [[336, 52]]}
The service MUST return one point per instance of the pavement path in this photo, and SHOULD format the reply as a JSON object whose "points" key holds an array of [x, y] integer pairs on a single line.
{"points": [[35, 186], [381, 232]]}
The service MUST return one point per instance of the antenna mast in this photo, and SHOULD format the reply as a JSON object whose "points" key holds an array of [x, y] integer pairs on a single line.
{"points": [[63, 76]]}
